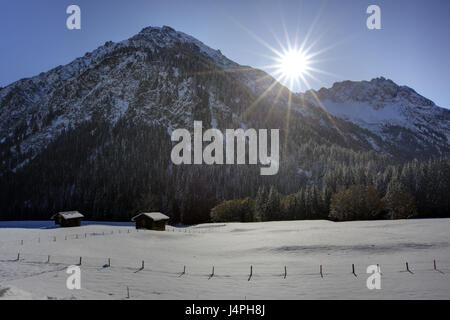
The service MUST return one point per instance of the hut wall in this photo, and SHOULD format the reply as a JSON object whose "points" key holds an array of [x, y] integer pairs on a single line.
{"points": [[71, 223], [147, 223], [159, 225]]}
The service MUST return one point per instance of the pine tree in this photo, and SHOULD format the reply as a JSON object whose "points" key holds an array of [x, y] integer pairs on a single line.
{"points": [[273, 205], [261, 204]]}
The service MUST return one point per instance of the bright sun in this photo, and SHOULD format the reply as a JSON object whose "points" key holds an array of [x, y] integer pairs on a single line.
{"points": [[293, 64]]}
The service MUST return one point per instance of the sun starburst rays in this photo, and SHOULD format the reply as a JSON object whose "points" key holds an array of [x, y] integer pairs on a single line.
{"points": [[294, 64]]}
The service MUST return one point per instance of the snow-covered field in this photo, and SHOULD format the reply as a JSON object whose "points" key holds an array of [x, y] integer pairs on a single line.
{"points": [[301, 246]]}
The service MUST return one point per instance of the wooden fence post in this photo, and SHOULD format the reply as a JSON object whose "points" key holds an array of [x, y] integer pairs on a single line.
{"points": [[434, 264], [285, 272], [321, 273], [80, 261]]}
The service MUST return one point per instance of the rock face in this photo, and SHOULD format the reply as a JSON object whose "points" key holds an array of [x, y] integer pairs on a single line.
{"points": [[412, 124], [94, 135]]}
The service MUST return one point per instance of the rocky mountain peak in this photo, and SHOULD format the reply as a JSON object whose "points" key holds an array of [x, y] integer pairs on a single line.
{"points": [[166, 36], [378, 92]]}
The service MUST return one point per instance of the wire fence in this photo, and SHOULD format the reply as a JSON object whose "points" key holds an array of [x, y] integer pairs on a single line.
{"points": [[25, 263], [229, 270], [139, 275], [85, 235], [263, 269]]}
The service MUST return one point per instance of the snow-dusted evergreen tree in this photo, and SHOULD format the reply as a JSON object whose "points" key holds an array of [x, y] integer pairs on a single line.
{"points": [[273, 205], [261, 210]]}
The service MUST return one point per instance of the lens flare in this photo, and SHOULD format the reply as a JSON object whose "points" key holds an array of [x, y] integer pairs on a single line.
{"points": [[293, 64]]}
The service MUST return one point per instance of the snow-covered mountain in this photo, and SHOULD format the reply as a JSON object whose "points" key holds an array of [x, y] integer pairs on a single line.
{"points": [[95, 134], [139, 75], [396, 114], [113, 77]]}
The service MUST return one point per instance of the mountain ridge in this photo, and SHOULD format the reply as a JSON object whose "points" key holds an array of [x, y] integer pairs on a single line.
{"points": [[381, 106], [85, 135], [30, 96]]}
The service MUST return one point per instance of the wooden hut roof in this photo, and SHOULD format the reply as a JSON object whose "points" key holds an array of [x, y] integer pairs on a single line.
{"points": [[155, 216], [67, 215]]}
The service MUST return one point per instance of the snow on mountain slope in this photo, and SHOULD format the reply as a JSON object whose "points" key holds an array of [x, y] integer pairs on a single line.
{"points": [[138, 76], [395, 113], [166, 36]]}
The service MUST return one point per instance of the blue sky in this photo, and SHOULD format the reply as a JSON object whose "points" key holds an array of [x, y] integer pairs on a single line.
{"points": [[411, 49]]}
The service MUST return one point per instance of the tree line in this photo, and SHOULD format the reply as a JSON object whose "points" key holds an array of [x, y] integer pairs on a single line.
{"points": [[399, 192]]}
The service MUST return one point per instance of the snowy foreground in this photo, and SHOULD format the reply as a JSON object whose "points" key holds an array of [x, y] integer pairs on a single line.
{"points": [[301, 246]]}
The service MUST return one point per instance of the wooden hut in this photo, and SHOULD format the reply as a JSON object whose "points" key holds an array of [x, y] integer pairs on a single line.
{"points": [[68, 219], [151, 221]]}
